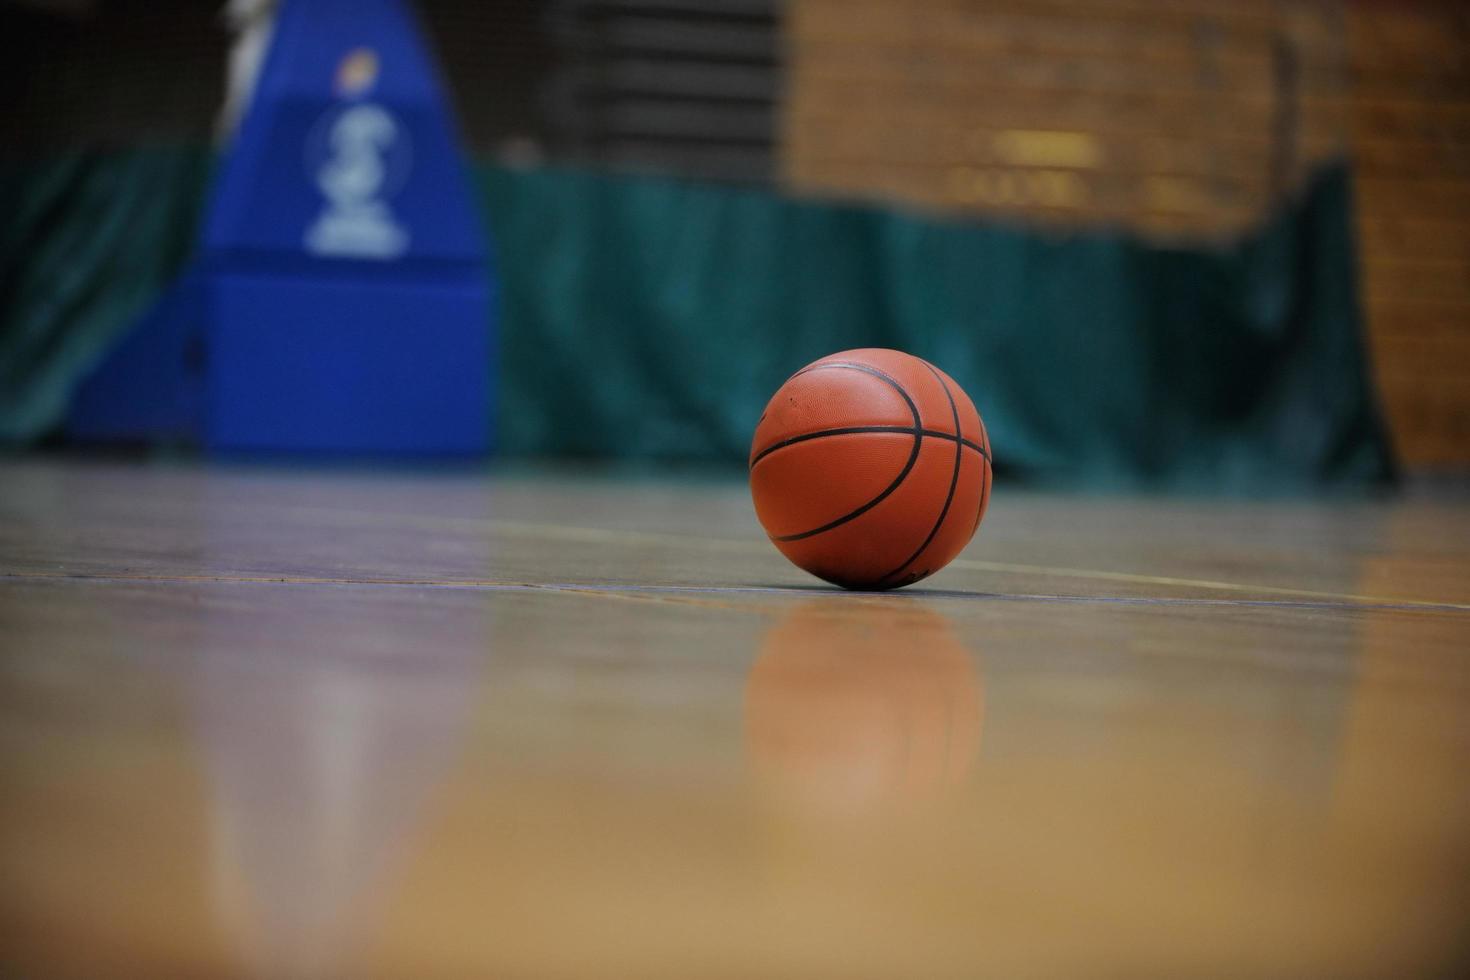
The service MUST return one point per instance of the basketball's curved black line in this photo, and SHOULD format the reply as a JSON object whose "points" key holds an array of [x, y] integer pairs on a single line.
{"points": [[984, 483], [954, 479], [848, 430], [917, 430]]}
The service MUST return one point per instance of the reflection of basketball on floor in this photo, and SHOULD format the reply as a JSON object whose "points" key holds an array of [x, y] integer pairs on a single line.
{"points": [[851, 704]]}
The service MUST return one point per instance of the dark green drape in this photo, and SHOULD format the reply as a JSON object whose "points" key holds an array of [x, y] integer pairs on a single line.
{"points": [[654, 318], [87, 240], [650, 318]]}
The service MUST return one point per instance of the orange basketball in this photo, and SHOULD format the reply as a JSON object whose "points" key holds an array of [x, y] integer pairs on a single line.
{"points": [[870, 469]]}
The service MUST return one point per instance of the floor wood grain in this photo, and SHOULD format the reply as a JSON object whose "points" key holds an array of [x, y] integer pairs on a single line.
{"points": [[259, 722]]}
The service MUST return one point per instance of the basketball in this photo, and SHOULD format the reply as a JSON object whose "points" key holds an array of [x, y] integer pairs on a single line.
{"points": [[870, 469]]}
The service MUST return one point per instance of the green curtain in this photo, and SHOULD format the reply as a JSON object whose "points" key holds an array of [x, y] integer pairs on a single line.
{"points": [[653, 318], [87, 241], [646, 318]]}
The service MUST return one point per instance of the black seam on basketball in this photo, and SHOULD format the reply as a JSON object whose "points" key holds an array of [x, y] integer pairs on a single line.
{"points": [[917, 430], [984, 482], [892, 382], [954, 479], [848, 430], [980, 510]]}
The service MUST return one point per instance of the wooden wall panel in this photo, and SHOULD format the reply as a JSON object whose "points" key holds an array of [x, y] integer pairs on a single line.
{"points": [[1410, 96], [1185, 119], [1171, 116]]}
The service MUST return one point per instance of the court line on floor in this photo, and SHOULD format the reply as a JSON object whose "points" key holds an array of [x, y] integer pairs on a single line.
{"points": [[1211, 584], [625, 589], [611, 535], [591, 535]]}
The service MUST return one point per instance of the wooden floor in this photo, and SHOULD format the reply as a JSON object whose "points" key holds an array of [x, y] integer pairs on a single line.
{"points": [[256, 722]]}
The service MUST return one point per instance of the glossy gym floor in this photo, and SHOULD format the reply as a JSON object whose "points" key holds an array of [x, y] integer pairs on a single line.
{"points": [[261, 722]]}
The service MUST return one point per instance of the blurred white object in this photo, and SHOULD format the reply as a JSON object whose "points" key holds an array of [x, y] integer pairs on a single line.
{"points": [[252, 22]]}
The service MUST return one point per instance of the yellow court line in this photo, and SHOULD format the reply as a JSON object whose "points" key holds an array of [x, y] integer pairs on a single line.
{"points": [[1199, 583], [610, 535], [593, 592], [605, 535], [231, 578], [589, 590], [592, 535]]}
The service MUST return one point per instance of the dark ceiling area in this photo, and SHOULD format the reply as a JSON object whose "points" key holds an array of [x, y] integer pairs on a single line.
{"points": [[684, 87]]}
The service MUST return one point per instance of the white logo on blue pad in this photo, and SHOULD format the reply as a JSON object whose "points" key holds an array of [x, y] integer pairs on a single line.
{"points": [[359, 156]]}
